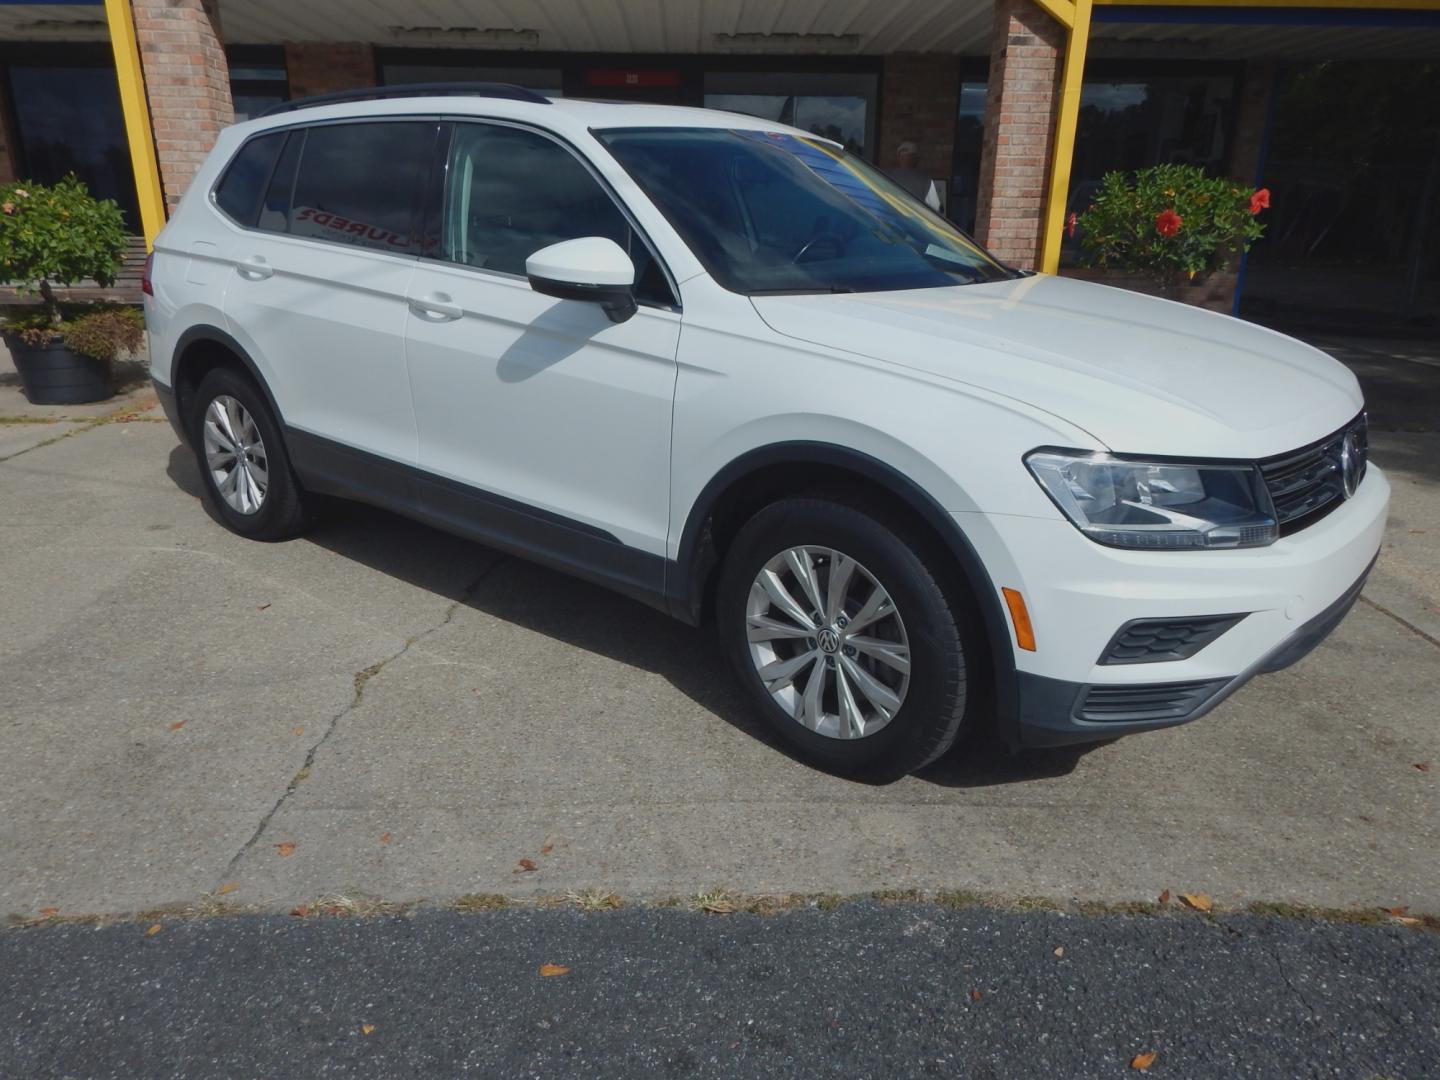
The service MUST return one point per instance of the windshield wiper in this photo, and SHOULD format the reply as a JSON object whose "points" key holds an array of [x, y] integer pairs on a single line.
{"points": [[812, 291]]}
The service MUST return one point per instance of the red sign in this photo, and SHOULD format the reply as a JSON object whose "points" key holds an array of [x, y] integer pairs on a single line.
{"points": [[620, 77]]}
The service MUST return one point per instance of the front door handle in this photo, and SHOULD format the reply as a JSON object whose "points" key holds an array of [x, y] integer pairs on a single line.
{"points": [[255, 268], [436, 306]]}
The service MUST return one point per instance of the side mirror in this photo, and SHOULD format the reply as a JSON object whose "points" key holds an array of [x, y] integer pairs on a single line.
{"points": [[592, 268]]}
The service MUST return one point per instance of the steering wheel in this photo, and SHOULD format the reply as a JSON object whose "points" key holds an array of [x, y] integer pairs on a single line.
{"points": [[824, 239]]}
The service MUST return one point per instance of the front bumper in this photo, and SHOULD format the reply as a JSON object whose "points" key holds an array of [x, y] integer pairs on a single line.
{"points": [[1079, 594]]}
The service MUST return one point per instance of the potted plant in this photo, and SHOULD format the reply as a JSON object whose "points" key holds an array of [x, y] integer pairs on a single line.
{"points": [[1171, 231], [50, 236]]}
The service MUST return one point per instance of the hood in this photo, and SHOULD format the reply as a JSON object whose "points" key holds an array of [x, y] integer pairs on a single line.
{"points": [[1142, 375]]}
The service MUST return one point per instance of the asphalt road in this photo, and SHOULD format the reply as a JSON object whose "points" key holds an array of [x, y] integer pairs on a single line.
{"points": [[867, 990]]}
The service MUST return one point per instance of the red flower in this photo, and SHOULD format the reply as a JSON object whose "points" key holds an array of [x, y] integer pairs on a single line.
{"points": [[1070, 223], [1167, 222], [1260, 200]]}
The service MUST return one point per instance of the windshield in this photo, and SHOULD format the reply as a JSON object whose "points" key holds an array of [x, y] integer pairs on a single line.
{"points": [[767, 212]]}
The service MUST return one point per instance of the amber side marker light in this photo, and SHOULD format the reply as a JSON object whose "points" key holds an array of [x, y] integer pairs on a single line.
{"points": [[1024, 632]]}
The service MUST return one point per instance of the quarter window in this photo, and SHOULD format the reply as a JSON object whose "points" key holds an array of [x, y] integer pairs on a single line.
{"points": [[238, 193], [361, 184], [511, 192]]}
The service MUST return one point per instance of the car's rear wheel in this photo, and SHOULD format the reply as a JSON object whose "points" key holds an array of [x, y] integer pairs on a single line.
{"points": [[840, 630], [243, 464]]}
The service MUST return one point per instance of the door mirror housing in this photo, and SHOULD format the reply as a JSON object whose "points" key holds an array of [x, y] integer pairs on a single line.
{"points": [[593, 268]]}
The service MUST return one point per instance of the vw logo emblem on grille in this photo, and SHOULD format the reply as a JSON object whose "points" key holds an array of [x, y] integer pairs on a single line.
{"points": [[829, 641], [1349, 465]]}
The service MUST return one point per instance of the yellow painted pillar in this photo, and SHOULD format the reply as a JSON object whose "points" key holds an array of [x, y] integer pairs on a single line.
{"points": [[137, 118], [1077, 39]]}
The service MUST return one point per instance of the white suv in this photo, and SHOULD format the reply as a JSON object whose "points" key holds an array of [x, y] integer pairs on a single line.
{"points": [[724, 367]]}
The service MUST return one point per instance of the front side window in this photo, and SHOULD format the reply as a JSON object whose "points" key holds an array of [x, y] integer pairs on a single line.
{"points": [[511, 192], [769, 212], [362, 184]]}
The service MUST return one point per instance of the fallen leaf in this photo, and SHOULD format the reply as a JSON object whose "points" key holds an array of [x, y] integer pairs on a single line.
{"points": [[1417, 532], [365, 1029], [1165, 897], [301, 911], [553, 969], [975, 995], [1407, 920], [1396, 911], [298, 730], [1060, 951], [1145, 1060], [262, 607], [384, 837], [177, 725], [1423, 766], [286, 849], [48, 911], [228, 887], [526, 865], [1198, 901], [154, 930], [547, 847]]}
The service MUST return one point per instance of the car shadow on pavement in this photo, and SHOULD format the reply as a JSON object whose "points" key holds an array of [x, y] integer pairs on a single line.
{"points": [[589, 617]]}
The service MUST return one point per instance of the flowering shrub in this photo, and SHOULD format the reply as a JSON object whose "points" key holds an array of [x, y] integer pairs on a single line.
{"points": [[1168, 220], [58, 235]]}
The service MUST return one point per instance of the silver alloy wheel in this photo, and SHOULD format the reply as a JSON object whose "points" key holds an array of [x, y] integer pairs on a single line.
{"points": [[235, 455], [828, 642]]}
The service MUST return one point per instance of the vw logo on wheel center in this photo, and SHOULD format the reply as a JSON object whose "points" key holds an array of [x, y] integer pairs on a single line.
{"points": [[829, 641]]}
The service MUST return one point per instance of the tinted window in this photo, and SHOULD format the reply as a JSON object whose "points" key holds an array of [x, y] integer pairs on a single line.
{"points": [[773, 212], [239, 191], [275, 210], [361, 184], [512, 192]]}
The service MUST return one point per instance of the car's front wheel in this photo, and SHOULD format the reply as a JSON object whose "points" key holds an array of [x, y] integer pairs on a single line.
{"points": [[842, 633]]}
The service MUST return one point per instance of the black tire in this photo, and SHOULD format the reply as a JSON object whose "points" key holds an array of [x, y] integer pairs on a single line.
{"points": [[283, 511], [938, 624]]}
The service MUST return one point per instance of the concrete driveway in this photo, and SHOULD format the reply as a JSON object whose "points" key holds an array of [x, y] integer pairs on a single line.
{"points": [[382, 709]]}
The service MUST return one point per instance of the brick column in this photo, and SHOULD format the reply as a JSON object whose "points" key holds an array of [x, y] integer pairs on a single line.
{"points": [[322, 68], [187, 84], [1250, 120], [1026, 48], [919, 98]]}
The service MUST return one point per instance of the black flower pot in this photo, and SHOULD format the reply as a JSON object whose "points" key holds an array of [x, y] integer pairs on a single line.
{"points": [[54, 374]]}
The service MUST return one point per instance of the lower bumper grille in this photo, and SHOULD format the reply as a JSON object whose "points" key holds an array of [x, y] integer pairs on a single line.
{"points": [[1159, 701], [1154, 641]]}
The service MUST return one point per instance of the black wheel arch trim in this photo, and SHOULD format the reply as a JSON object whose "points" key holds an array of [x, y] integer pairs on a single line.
{"points": [[685, 584], [214, 335]]}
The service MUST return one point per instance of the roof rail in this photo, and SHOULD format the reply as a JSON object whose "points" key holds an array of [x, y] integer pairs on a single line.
{"points": [[405, 90]]}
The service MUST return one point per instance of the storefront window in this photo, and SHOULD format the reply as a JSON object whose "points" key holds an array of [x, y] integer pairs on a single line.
{"points": [[969, 138], [258, 79], [836, 106], [68, 120]]}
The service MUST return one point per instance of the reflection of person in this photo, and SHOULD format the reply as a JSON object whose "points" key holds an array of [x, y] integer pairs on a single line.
{"points": [[910, 177]]}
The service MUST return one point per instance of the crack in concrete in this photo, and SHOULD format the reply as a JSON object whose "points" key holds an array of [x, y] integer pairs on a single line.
{"points": [[1431, 638], [362, 677]]}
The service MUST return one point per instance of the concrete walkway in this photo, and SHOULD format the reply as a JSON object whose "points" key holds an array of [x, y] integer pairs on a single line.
{"points": [[380, 708]]}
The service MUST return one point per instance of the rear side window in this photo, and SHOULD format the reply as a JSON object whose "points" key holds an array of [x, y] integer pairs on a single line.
{"points": [[275, 209], [512, 192], [361, 184], [238, 193]]}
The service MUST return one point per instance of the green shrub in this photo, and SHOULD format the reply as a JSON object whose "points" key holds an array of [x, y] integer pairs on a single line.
{"points": [[58, 235], [1169, 220], [107, 333]]}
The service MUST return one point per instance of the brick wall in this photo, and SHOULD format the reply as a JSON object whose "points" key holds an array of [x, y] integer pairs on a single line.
{"points": [[919, 97], [187, 84], [1025, 58], [321, 68]]}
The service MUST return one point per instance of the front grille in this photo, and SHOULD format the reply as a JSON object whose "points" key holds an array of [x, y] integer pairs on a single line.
{"points": [[1309, 483], [1160, 701], [1153, 641]]}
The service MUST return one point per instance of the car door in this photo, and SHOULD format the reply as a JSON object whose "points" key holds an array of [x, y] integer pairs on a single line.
{"points": [[544, 425], [319, 289]]}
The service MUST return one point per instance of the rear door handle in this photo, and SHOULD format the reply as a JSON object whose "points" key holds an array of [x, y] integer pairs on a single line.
{"points": [[436, 306], [255, 268]]}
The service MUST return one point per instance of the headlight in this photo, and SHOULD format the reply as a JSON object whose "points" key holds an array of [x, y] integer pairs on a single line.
{"points": [[1164, 505]]}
